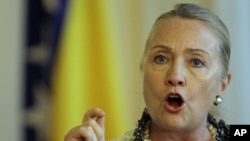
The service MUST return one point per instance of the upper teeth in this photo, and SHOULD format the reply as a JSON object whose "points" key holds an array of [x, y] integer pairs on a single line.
{"points": [[174, 96]]}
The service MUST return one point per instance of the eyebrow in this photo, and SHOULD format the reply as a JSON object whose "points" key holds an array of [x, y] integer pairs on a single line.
{"points": [[188, 50], [168, 49], [197, 50]]}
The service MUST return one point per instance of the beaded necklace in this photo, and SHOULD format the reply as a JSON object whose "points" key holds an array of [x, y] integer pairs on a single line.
{"points": [[145, 134], [219, 130]]}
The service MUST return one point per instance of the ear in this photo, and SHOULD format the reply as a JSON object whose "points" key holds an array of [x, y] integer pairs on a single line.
{"points": [[225, 83]]}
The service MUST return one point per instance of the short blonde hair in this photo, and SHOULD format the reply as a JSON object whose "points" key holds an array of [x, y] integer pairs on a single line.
{"points": [[192, 11]]}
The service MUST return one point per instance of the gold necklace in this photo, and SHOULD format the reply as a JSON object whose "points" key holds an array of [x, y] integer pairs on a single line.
{"points": [[213, 132], [211, 129]]}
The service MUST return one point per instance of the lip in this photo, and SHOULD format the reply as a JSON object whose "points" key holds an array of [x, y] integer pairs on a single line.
{"points": [[171, 108]]}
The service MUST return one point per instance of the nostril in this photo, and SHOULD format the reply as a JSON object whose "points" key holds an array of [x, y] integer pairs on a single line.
{"points": [[175, 83]]}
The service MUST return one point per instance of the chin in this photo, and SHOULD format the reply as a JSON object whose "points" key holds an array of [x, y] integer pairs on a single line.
{"points": [[172, 121]]}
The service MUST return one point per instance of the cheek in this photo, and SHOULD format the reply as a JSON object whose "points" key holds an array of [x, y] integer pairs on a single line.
{"points": [[153, 79], [204, 89], [153, 83], [203, 84]]}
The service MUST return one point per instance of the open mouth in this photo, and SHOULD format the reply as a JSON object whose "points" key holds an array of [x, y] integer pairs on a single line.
{"points": [[175, 100]]}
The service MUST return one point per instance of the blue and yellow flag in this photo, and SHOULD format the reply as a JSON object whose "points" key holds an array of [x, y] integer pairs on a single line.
{"points": [[86, 73]]}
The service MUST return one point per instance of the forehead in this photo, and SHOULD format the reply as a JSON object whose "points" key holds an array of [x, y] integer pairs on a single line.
{"points": [[184, 32]]}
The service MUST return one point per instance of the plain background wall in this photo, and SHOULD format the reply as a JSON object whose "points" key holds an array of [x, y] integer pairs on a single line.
{"points": [[236, 15], [141, 15], [11, 68]]}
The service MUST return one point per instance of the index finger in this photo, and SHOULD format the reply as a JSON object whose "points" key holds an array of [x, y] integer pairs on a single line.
{"points": [[96, 114]]}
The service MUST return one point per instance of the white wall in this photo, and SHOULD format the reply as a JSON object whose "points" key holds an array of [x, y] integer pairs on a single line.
{"points": [[236, 15], [11, 49]]}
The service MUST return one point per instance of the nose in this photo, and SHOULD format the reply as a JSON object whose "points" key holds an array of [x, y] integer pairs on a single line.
{"points": [[176, 76]]}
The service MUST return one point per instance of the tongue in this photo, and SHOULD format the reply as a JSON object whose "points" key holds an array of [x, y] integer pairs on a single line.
{"points": [[174, 104]]}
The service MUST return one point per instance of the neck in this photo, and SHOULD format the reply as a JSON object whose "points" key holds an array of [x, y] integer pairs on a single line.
{"points": [[197, 134]]}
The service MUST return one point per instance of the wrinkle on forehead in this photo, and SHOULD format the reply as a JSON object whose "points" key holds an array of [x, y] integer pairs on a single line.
{"points": [[186, 33]]}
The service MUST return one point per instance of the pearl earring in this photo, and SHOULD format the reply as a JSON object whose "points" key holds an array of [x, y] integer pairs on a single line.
{"points": [[218, 100]]}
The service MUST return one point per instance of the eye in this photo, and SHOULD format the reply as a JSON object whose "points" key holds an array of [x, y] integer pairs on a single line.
{"points": [[160, 59], [197, 63]]}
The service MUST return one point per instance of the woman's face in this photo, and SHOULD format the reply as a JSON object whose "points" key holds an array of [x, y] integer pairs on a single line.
{"points": [[181, 74]]}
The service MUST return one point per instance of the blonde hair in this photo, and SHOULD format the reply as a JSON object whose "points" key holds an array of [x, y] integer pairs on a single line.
{"points": [[192, 11]]}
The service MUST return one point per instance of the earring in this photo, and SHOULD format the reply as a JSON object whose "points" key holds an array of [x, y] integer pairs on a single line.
{"points": [[218, 100]]}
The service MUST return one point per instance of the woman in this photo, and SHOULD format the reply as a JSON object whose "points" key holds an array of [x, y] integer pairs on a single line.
{"points": [[185, 72]]}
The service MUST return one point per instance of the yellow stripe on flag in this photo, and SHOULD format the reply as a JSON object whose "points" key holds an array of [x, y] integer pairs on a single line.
{"points": [[87, 71]]}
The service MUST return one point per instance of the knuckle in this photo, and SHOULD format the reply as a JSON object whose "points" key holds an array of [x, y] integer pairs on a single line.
{"points": [[96, 128], [86, 132]]}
